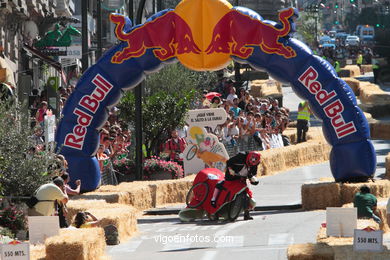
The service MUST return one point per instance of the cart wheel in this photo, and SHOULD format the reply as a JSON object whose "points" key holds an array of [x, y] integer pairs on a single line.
{"points": [[197, 195], [192, 152], [236, 206]]}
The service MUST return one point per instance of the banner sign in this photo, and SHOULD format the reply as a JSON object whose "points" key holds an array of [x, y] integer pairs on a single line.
{"points": [[206, 117]]}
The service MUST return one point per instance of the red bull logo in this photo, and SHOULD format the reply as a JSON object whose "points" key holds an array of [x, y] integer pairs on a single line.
{"points": [[168, 36], [236, 33]]}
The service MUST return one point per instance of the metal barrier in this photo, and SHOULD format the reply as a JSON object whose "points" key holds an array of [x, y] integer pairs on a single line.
{"points": [[245, 143]]}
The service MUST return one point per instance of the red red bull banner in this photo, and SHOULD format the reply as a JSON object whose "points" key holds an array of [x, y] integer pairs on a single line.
{"points": [[208, 38]]}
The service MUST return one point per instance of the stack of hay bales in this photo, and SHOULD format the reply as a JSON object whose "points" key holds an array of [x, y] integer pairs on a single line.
{"points": [[373, 99], [380, 129], [122, 216], [366, 68], [368, 93], [112, 205], [78, 244], [350, 71], [281, 159], [354, 84], [266, 88], [334, 247], [331, 194], [143, 194], [310, 252], [373, 94]]}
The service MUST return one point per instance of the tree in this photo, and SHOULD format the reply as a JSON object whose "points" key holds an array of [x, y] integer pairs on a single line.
{"points": [[161, 113], [20, 174], [175, 78], [169, 94], [307, 27]]}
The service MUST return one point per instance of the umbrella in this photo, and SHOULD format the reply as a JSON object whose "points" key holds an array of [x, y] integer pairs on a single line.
{"points": [[211, 95]]}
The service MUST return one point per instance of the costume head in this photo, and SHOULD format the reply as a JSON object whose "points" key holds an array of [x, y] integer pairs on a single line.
{"points": [[253, 158]]}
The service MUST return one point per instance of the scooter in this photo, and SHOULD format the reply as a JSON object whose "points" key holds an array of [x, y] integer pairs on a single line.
{"points": [[232, 199]]}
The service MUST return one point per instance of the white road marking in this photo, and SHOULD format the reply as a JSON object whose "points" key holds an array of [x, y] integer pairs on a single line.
{"points": [[280, 239], [127, 247], [209, 255]]}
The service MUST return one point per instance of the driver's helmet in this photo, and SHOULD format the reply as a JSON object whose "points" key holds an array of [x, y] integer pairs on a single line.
{"points": [[253, 158]]}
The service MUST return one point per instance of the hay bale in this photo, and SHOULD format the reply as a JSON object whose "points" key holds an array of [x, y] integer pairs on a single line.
{"points": [[367, 68], [330, 194], [380, 130], [387, 166], [265, 88], [79, 244], [280, 159], [109, 197], [171, 191], [37, 252], [373, 94], [379, 188], [310, 252], [354, 84], [354, 70], [313, 152], [320, 195], [346, 252], [124, 217]]}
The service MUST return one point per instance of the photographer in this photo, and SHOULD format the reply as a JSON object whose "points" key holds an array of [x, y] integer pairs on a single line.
{"points": [[175, 146]]}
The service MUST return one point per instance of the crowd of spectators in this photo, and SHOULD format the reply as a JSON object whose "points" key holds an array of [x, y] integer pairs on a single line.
{"points": [[346, 52], [248, 117], [114, 136]]}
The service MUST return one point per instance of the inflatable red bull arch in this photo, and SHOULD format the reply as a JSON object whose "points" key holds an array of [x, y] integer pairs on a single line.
{"points": [[206, 35]]}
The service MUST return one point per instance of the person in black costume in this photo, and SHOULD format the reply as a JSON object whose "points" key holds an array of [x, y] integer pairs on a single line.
{"points": [[239, 168]]}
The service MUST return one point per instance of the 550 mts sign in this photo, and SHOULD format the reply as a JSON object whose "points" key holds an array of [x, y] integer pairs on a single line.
{"points": [[368, 240], [15, 251]]}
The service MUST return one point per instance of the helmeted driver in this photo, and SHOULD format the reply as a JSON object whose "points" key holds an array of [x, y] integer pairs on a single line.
{"points": [[239, 168]]}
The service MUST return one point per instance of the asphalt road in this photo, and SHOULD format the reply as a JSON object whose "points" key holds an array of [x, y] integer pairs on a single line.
{"points": [[265, 237]]}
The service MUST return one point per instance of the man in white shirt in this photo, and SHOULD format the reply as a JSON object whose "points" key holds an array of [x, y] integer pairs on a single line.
{"points": [[47, 194], [232, 95]]}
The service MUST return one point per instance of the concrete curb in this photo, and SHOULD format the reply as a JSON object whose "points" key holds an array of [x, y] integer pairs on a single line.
{"points": [[174, 211]]}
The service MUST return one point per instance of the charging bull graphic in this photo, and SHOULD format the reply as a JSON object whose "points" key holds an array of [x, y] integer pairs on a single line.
{"points": [[168, 35], [236, 31], [232, 32]]}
